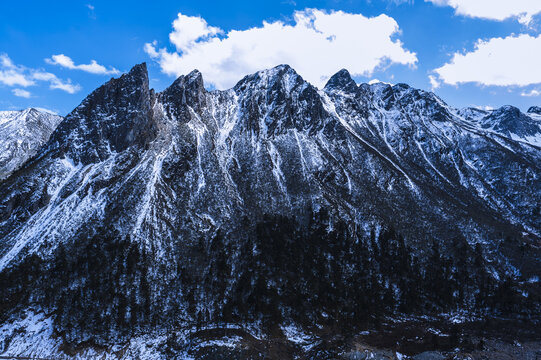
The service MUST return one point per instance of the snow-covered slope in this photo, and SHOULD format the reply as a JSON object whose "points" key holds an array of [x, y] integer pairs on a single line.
{"points": [[508, 121], [22, 133], [187, 178]]}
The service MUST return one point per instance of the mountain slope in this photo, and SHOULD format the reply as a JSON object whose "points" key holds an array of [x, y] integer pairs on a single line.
{"points": [[22, 133], [150, 210]]}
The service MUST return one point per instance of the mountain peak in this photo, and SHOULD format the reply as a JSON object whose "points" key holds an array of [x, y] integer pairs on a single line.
{"points": [[195, 76], [507, 109], [112, 118], [341, 81], [281, 67], [279, 77], [278, 72], [193, 82], [186, 90], [510, 121], [534, 110], [138, 69]]}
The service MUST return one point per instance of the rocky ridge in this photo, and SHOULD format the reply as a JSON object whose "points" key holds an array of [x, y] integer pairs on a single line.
{"points": [[148, 211]]}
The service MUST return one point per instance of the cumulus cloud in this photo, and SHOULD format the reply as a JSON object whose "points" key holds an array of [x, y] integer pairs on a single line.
{"points": [[93, 67], [510, 61], [21, 93], [499, 10], [18, 75], [317, 45], [189, 29]]}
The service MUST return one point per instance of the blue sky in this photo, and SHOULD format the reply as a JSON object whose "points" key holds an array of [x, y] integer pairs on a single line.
{"points": [[53, 54]]}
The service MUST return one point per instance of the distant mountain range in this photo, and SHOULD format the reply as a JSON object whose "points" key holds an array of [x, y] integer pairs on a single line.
{"points": [[270, 220], [22, 134]]}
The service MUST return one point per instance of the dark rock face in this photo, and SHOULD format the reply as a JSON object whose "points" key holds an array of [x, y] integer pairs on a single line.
{"points": [[113, 118], [342, 81], [274, 207], [185, 90], [534, 110]]}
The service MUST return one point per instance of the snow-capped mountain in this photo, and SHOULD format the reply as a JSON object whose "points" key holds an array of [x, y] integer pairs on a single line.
{"points": [[22, 133], [272, 205], [508, 121]]}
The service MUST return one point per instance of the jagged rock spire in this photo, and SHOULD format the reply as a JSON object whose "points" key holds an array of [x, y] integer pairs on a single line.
{"points": [[113, 117], [186, 90], [341, 81]]}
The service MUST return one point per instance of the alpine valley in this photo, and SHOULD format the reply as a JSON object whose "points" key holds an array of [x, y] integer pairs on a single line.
{"points": [[273, 220]]}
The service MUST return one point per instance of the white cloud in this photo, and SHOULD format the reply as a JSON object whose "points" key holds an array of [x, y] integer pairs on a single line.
{"points": [[56, 83], [18, 75], [64, 86], [377, 81], [6, 62], [91, 13], [21, 93], [150, 49], [11, 74], [400, 2], [498, 10], [434, 82], [13, 78], [317, 45], [531, 93], [510, 61], [189, 29], [93, 67], [53, 112]]}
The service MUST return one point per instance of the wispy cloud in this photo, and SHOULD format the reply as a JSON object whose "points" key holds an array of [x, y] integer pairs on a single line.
{"points": [[434, 83], [21, 93], [318, 44], [91, 13], [400, 2], [531, 93], [19, 75], [56, 83], [93, 67], [11, 74], [54, 112]]}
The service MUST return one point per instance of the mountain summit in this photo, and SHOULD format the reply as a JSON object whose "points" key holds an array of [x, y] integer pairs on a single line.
{"points": [[165, 224]]}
